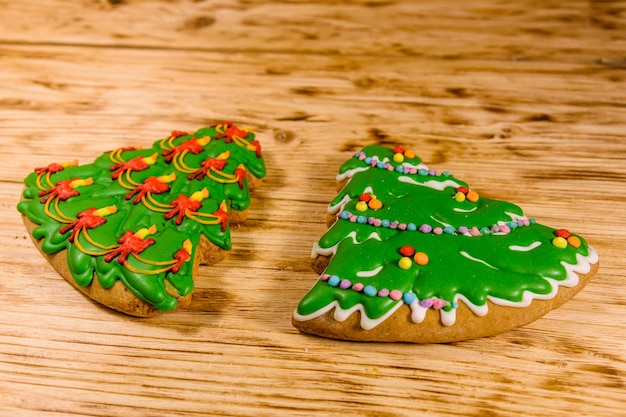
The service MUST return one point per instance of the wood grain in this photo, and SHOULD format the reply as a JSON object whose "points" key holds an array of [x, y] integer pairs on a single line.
{"points": [[524, 100]]}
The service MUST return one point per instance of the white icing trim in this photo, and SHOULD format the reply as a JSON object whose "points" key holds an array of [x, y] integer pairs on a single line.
{"points": [[514, 216], [525, 248], [460, 210], [582, 266], [528, 296], [369, 274], [437, 185], [444, 224], [480, 311], [471, 258], [339, 206], [418, 313], [318, 250], [419, 166], [349, 173], [448, 318], [341, 314]]}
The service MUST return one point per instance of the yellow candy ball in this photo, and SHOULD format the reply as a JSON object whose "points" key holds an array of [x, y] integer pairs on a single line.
{"points": [[420, 258], [398, 157], [559, 242], [405, 263], [361, 206], [460, 197]]}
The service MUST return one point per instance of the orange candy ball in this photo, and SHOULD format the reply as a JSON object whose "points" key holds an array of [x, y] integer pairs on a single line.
{"points": [[420, 258], [574, 241], [472, 196], [375, 204]]}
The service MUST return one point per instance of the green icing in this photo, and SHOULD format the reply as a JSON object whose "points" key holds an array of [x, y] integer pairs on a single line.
{"points": [[145, 274], [489, 264]]}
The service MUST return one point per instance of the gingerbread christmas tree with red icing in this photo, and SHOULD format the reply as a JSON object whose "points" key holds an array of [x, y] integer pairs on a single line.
{"points": [[137, 216]]}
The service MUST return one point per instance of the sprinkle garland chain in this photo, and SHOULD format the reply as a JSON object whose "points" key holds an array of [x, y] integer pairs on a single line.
{"points": [[374, 162], [396, 295], [502, 229]]}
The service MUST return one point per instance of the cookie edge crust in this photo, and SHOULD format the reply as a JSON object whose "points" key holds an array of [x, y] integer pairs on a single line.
{"points": [[118, 297], [399, 327]]}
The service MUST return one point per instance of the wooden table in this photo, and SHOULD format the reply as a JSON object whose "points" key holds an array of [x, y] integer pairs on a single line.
{"points": [[524, 102]]}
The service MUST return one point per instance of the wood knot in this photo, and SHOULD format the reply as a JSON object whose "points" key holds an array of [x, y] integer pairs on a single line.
{"points": [[199, 22], [284, 135]]}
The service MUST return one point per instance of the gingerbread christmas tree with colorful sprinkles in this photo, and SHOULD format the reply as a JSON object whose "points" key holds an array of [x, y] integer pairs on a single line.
{"points": [[406, 235], [138, 216]]}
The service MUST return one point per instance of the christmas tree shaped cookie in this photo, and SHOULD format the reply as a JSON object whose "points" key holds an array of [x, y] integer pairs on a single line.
{"points": [[130, 229], [418, 256]]}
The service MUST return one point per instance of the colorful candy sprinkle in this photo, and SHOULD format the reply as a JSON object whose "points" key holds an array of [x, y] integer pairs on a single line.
{"points": [[564, 233], [361, 206], [398, 159], [408, 297], [502, 229], [375, 204], [383, 292], [472, 196], [559, 242], [426, 228], [574, 241], [394, 294], [333, 281], [463, 193], [427, 302], [407, 250], [370, 290], [405, 262], [421, 258]]}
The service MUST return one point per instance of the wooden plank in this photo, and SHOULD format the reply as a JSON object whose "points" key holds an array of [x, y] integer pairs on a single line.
{"points": [[524, 102], [66, 92], [579, 31]]}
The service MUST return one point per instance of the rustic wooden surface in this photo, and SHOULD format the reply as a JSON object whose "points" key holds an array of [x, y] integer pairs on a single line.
{"points": [[525, 100]]}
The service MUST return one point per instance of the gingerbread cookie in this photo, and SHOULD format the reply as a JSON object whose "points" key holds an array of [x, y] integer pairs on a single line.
{"points": [[130, 229], [415, 255]]}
